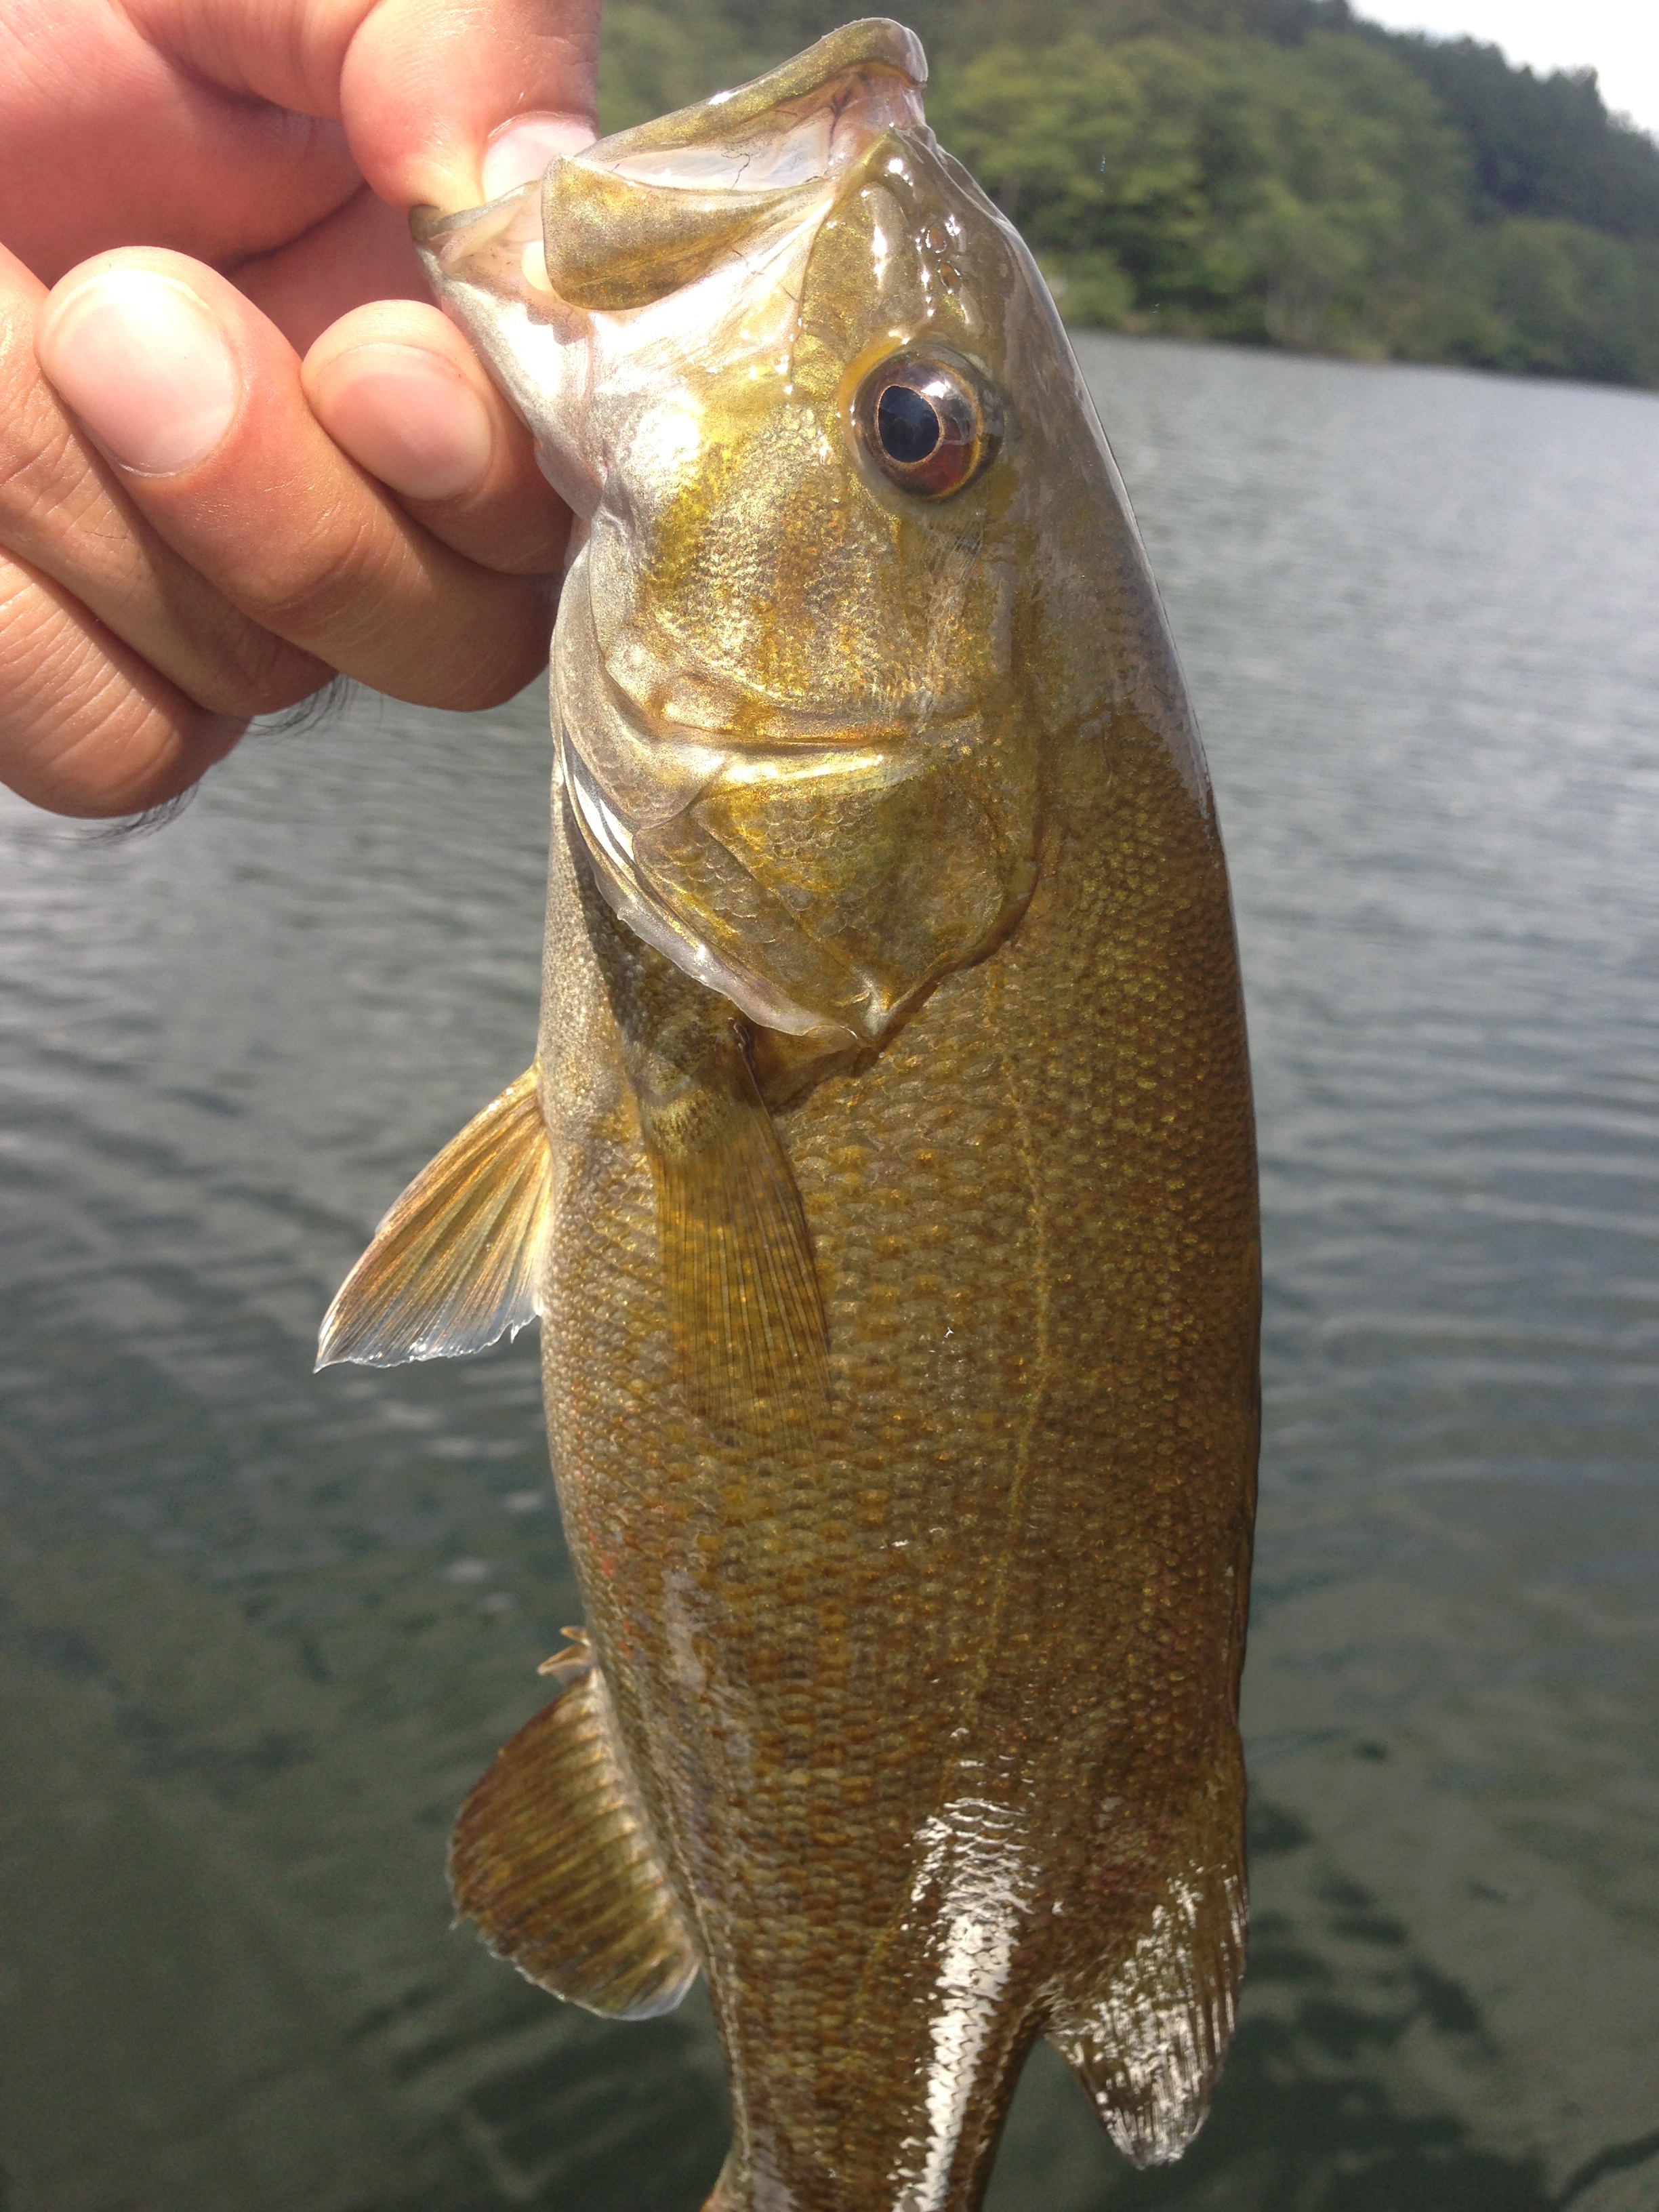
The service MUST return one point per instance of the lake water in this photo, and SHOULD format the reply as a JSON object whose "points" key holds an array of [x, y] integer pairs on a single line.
{"points": [[259, 1631]]}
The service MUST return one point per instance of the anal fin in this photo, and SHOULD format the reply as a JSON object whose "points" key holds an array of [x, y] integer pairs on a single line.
{"points": [[1148, 2041], [457, 1262], [550, 1860]]}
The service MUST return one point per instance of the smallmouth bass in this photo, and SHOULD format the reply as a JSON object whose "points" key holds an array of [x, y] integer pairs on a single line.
{"points": [[885, 1181]]}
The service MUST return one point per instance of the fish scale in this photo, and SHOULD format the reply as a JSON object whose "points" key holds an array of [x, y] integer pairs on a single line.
{"points": [[890, 1214]]}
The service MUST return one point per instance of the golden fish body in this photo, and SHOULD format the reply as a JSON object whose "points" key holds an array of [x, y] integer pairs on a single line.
{"points": [[885, 1184]]}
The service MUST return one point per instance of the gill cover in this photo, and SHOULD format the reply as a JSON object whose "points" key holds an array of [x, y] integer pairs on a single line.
{"points": [[761, 345]]}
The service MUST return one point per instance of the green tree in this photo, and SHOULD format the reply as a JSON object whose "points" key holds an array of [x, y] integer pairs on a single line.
{"points": [[1233, 186]]}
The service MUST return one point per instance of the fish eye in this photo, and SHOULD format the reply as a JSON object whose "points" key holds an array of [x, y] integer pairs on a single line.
{"points": [[928, 419], [909, 426]]}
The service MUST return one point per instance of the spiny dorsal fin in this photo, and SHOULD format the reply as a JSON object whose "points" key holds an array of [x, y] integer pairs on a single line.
{"points": [[551, 1862], [743, 1300], [457, 1262], [1147, 2043]]}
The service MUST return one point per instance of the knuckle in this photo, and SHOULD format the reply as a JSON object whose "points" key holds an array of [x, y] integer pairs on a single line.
{"points": [[334, 589], [49, 477], [500, 659], [44, 476], [77, 734], [249, 670]]}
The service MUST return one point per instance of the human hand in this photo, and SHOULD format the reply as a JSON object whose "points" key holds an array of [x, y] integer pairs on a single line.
{"points": [[195, 526]]}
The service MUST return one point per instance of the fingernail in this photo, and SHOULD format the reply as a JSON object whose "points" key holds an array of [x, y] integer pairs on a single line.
{"points": [[408, 418], [522, 150], [145, 367]]}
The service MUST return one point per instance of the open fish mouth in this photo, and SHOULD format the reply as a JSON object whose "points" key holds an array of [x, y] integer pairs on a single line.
{"points": [[795, 133], [647, 211]]}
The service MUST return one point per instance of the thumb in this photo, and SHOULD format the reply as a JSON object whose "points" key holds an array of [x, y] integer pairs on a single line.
{"points": [[421, 86], [430, 88]]}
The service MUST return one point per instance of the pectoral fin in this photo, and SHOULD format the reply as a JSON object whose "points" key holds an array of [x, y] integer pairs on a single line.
{"points": [[457, 1263], [743, 1300], [739, 1280], [550, 1858]]}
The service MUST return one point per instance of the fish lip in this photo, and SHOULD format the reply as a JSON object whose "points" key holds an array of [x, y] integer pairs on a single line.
{"points": [[870, 47]]}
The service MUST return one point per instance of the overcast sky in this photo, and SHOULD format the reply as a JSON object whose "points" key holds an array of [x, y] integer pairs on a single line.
{"points": [[1618, 38]]}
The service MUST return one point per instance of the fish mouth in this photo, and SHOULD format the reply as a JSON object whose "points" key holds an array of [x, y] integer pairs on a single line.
{"points": [[646, 212], [805, 120]]}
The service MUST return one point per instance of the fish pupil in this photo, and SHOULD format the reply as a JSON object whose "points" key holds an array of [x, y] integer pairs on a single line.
{"points": [[908, 425]]}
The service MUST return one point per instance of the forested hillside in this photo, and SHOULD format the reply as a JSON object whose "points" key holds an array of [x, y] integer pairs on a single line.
{"points": [[1278, 171]]}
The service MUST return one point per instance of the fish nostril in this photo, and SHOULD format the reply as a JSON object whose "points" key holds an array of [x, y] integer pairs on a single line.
{"points": [[908, 425]]}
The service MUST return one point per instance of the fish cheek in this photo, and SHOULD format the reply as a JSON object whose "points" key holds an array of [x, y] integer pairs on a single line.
{"points": [[769, 559]]}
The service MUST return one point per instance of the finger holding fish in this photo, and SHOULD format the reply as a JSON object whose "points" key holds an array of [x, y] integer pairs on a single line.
{"points": [[275, 147], [128, 670], [237, 131], [186, 547], [194, 400], [398, 389]]}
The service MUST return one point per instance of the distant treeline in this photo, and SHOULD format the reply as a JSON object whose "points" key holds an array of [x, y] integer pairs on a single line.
{"points": [[1278, 171]]}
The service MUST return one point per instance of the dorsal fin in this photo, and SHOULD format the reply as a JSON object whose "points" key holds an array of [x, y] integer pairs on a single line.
{"points": [[551, 1859], [458, 1261]]}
